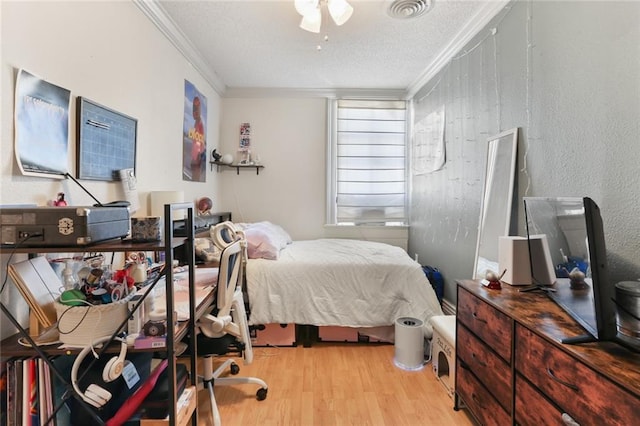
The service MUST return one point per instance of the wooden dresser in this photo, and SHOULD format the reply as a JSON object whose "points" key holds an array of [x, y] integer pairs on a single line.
{"points": [[512, 369]]}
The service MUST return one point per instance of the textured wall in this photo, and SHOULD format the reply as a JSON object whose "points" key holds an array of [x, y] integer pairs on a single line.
{"points": [[568, 75]]}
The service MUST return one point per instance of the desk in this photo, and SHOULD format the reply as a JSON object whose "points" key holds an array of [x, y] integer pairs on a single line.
{"points": [[205, 295], [205, 284], [166, 246]]}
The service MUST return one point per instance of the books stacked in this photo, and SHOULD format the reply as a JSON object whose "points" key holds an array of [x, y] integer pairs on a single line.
{"points": [[29, 393]]}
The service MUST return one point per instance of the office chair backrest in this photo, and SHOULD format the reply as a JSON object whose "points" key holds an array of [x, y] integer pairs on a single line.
{"points": [[231, 242], [228, 276], [224, 234], [231, 315]]}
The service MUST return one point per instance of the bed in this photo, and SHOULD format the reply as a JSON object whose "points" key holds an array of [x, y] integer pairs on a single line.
{"points": [[333, 282]]}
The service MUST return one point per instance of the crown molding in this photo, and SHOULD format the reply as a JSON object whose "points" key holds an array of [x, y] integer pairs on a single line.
{"points": [[154, 11], [476, 24], [290, 92]]}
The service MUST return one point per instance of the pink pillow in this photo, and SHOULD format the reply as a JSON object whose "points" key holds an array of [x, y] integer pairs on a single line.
{"points": [[265, 240]]}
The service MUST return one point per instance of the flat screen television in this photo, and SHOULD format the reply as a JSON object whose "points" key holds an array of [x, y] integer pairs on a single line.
{"points": [[576, 243]]}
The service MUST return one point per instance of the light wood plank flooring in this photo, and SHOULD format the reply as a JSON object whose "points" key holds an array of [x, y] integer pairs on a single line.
{"points": [[333, 384]]}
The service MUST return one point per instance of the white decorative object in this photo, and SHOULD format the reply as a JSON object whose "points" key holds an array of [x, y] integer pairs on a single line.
{"points": [[513, 257], [227, 159]]}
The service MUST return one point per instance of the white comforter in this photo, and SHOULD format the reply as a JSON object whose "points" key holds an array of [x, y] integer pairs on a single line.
{"points": [[339, 282]]}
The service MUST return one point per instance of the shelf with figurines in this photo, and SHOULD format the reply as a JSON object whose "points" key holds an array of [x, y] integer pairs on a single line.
{"points": [[227, 161]]}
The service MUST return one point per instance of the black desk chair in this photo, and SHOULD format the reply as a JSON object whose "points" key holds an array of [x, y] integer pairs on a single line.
{"points": [[225, 328]]}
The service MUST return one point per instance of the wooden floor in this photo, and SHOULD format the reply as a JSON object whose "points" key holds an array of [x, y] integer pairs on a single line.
{"points": [[333, 384]]}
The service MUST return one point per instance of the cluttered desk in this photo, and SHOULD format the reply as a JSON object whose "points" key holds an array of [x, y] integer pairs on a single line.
{"points": [[151, 331], [180, 296]]}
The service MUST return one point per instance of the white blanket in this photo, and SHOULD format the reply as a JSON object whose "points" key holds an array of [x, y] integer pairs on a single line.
{"points": [[340, 282]]}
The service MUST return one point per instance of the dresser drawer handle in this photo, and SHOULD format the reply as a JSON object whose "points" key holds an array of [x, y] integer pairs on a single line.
{"points": [[477, 318], [477, 401], [568, 420], [478, 360], [562, 382]]}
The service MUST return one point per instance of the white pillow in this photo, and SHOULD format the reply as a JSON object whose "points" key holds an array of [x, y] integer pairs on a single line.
{"points": [[265, 240]]}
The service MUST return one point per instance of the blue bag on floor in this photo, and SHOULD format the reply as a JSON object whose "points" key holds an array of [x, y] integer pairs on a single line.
{"points": [[436, 280]]}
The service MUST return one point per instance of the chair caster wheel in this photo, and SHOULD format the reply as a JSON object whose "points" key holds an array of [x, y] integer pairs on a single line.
{"points": [[235, 369], [261, 394]]}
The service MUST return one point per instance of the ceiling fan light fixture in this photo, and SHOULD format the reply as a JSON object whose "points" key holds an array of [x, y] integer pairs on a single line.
{"points": [[312, 21], [303, 7], [340, 11]]}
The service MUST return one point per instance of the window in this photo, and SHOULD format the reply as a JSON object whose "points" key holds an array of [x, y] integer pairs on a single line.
{"points": [[368, 178]]}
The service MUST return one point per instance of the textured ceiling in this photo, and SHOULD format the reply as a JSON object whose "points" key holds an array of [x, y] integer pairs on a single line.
{"points": [[258, 44]]}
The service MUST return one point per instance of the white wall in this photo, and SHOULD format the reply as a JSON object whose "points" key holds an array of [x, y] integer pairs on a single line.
{"points": [[289, 135], [110, 53]]}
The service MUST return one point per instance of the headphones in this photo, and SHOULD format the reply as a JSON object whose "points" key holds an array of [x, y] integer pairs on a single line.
{"points": [[94, 394]]}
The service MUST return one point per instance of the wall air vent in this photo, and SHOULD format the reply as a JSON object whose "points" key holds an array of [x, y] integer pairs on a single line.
{"points": [[408, 9]]}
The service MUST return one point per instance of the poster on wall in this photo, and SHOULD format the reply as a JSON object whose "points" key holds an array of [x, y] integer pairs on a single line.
{"points": [[428, 143], [194, 149], [41, 126], [245, 143]]}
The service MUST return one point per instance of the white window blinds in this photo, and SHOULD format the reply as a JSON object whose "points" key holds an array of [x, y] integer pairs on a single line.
{"points": [[370, 162]]}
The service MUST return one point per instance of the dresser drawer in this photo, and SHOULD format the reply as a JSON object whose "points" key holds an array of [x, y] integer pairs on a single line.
{"points": [[489, 368], [479, 400], [587, 396], [532, 408], [490, 325]]}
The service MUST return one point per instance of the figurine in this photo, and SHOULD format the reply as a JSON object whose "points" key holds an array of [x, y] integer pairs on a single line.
{"points": [[60, 202], [494, 280], [576, 279], [215, 155]]}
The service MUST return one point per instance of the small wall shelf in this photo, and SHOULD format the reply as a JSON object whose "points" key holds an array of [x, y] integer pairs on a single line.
{"points": [[236, 166]]}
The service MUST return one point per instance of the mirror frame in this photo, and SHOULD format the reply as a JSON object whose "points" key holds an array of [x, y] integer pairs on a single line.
{"points": [[503, 146]]}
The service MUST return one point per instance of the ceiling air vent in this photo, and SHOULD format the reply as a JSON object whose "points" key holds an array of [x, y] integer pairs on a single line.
{"points": [[408, 9]]}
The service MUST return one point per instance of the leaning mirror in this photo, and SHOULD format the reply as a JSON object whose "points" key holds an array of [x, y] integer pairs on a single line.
{"points": [[497, 200]]}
